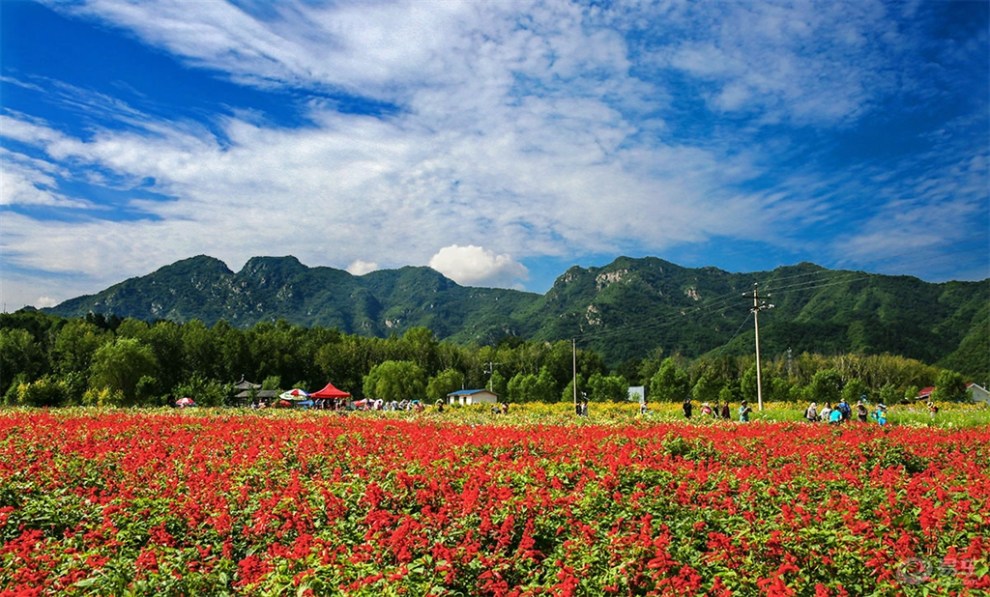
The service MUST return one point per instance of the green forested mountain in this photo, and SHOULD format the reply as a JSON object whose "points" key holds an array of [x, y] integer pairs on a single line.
{"points": [[627, 309]]}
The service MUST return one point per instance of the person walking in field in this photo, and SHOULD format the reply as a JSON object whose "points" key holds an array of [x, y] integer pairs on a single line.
{"points": [[825, 412], [726, 411], [811, 413], [687, 408], [880, 414], [744, 411], [843, 408], [862, 413]]}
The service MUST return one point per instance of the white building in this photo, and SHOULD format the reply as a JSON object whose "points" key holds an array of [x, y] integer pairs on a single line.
{"points": [[469, 397], [977, 393]]}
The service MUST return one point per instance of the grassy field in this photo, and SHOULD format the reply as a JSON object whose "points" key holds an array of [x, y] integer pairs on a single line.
{"points": [[949, 415]]}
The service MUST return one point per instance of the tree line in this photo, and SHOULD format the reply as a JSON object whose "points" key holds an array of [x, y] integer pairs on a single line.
{"points": [[47, 360]]}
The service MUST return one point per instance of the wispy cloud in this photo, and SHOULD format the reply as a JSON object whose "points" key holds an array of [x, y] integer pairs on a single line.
{"points": [[542, 128], [809, 63], [932, 216], [32, 182]]}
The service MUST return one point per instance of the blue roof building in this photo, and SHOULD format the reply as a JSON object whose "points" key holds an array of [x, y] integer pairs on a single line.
{"points": [[468, 397]]}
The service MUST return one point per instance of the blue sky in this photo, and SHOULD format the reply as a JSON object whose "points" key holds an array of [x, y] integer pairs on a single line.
{"points": [[498, 142]]}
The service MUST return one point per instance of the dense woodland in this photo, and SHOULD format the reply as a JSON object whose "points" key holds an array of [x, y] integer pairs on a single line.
{"points": [[46, 360]]}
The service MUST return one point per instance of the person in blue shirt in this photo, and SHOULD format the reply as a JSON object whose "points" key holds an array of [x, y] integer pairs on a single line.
{"points": [[835, 417], [744, 411], [843, 408], [880, 414]]}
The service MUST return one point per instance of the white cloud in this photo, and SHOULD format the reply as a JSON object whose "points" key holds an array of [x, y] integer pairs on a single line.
{"points": [[805, 62], [538, 127], [45, 301], [30, 181], [360, 267], [377, 48], [476, 266]]}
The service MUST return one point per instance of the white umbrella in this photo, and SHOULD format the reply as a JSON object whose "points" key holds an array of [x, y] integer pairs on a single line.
{"points": [[294, 394]]}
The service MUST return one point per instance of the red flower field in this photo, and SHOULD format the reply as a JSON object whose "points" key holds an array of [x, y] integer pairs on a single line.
{"points": [[115, 502]]}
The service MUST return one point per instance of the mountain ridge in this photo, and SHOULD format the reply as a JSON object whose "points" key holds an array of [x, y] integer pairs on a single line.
{"points": [[625, 309]]}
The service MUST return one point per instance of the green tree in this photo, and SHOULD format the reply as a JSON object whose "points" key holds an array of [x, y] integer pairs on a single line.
{"points": [[798, 394], [890, 394], [826, 386], [419, 345], [276, 350], [950, 387], [499, 386], [234, 354], [584, 390], [345, 362], [670, 383], [546, 386], [608, 388], [44, 392], [75, 344], [707, 388], [120, 365], [443, 383], [777, 389], [132, 328], [519, 387], [165, 340], [19, 356], [204, 391], [854, 390], [747, 384], [199, 353], [527, 387], [144, 392], [395, 380]]}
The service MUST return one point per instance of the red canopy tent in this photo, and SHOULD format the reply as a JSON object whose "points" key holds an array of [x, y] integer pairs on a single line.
{"points": [[331, 392]]}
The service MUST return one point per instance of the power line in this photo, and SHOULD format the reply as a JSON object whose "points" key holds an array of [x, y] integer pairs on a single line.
{"points": [[715, 305], [801, 283]]}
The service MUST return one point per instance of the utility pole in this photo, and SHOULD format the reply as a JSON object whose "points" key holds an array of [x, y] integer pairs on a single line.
{"points": [[757, 307], [574, 366], [490, 370]]}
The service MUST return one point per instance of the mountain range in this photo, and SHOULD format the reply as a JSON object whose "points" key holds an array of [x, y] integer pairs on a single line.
{"points": [[626, 309]]}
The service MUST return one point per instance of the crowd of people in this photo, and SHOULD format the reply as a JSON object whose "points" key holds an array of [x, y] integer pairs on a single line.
{"points": [[843, 413], [721, 410], [838, 414]]}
